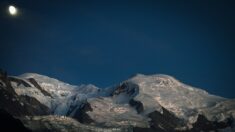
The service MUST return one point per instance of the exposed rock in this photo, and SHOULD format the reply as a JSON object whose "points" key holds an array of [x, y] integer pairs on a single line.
{"points": [[19, 105], [19, 81], [130, 89], [9, 123], [165, 121], [137, 104], [81, 114], [203, 124], [36, 107], [34, 82]]}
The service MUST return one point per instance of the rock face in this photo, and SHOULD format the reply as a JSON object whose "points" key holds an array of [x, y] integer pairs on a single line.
{"points": [[34, 82], [81, 114], [19, 105], [142, 103], [9, 123]]}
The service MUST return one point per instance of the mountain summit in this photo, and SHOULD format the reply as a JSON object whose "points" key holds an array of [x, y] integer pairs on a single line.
{"points": [[142, 103]]}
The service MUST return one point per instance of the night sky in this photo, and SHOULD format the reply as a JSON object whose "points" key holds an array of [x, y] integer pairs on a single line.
{"points": [[106, 42]]}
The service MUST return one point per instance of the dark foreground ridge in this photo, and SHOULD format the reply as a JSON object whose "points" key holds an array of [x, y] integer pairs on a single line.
{"points": [[9, 123]]}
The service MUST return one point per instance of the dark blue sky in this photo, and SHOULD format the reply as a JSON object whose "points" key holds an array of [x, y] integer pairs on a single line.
{"points": [[105, 42]]}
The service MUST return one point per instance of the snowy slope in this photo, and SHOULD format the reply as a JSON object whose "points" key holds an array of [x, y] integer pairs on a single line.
{"points": [[63, 95], [106, 112], [156, 91]]}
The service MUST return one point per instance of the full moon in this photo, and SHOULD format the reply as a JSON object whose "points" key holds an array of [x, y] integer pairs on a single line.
{"points": [[12, 10]]}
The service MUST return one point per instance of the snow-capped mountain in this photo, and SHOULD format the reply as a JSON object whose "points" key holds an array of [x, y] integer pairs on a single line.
{"points": [[141, 103], [58, 96]]}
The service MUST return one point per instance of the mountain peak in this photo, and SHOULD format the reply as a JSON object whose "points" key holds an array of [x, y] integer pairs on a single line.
{"points": [[155, 77]]}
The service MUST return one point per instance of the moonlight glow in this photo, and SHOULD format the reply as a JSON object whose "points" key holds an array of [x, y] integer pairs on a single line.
{"points": [[12, 10]]}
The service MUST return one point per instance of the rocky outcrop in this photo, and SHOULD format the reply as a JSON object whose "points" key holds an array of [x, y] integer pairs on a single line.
{"points": [[203, 124], [9, 123], [19, 105], [81, 114], [18, 81], [35, 106], [34, 82], [130, 89], [162, 122], [137, 105], [166, 121]]}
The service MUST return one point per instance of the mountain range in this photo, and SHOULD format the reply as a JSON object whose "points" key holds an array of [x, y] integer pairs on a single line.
{"points": [[150, 103]]}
